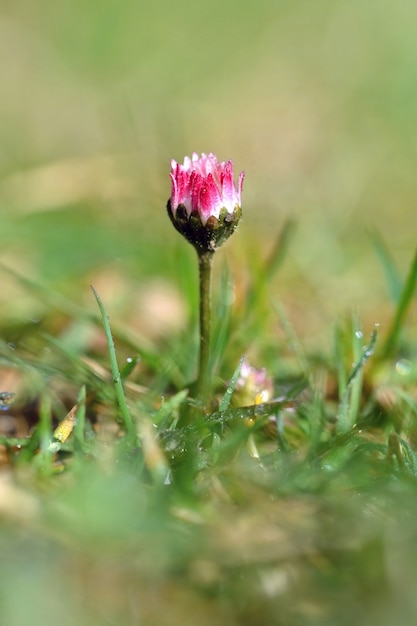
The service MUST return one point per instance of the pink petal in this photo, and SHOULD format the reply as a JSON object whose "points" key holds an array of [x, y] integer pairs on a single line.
{"points": [[210, 199], [228, 187]]}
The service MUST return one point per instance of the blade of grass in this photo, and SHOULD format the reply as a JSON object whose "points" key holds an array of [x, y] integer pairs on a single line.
{"points": [[117, 380], [339, 361], [169, 407], [357, 382], [79, 428], [245, 412], [271, 265], [154, 456], [366, 353], [222, 323], [391, 342], [294, 343], [280, 249], [350, 399], [224, 404], [129, 366], [43, 460], [395, 284]]}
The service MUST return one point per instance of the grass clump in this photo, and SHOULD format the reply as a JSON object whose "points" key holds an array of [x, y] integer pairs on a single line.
{"points": [[290, 502]]}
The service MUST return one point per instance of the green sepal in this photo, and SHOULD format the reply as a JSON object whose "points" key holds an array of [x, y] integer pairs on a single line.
{"points": [[208, 236]]}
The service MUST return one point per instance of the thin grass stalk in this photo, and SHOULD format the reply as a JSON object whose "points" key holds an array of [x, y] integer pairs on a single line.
{"points": [[117, 379]]}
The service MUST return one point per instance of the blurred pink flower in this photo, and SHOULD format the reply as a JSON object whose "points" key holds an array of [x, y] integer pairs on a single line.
{"points": [[204, 186], [254, 385]]}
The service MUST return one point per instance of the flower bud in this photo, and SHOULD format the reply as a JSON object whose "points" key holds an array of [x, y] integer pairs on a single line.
{"points": [[205, 205], [254, 386]]}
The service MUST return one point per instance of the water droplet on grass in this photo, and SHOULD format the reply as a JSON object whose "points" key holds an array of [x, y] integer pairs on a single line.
{"points": [[403, 367]]}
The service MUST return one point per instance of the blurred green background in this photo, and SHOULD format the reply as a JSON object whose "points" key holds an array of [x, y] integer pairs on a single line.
{"points": [[316, 101]]}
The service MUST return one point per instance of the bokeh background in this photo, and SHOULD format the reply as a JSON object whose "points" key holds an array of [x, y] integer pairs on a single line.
{"points": [[316, 101]]}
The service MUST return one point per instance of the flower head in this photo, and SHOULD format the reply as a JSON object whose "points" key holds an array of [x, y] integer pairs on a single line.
{"points": [[205, 204], [253, 386]]}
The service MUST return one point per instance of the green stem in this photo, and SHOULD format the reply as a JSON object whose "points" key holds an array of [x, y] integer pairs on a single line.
{"points": [[203, 380]]}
